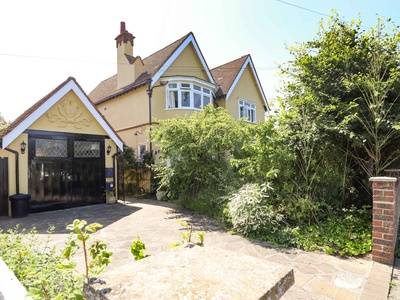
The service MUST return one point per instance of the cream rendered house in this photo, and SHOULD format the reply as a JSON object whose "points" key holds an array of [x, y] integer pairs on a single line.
{"points": [[175, 80], [60, 153]]}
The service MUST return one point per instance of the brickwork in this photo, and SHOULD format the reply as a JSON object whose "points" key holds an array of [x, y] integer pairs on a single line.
{"points": [[384, 218]]}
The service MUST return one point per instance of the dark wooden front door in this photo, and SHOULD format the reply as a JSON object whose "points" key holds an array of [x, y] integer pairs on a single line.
{"points": [[4, 186], [66, 169]]}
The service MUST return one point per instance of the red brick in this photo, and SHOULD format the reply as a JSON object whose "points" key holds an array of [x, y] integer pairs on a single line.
{"points": [[387, 249], [383, 218], [376, 252], [383, 260], [388, 193], [382, 242], [386, 199], [388, 237], [388, 212], [383, 230], [377, 192], [387, 255], [383, 205], [377, 235], [377, 223], [378, 198], [384, 185], [376, 247]]}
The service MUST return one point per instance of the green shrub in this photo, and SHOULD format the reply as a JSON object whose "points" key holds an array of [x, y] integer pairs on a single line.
{"points": [[36, 265], [344, 232], [249, 211], [43, 270]]}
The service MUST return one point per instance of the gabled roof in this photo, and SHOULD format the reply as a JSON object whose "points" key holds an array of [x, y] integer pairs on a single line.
{"points": [[39, 108], [228, 75], [154, 66]]}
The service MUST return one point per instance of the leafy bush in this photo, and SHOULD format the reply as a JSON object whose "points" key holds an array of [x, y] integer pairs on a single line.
{"points": [[249, 211], [345, 232], [42, 270], [198, 149], [36, 265]]}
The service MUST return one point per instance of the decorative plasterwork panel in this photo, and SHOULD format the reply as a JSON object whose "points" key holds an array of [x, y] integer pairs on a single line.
{"points": [[69, 112]]}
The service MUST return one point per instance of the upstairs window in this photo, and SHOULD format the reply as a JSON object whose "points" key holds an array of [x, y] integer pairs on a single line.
{"points": [[247, 111], [187, 95]]}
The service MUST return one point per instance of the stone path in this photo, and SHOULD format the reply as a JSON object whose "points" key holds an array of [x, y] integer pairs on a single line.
{"points": [[317, 275]]}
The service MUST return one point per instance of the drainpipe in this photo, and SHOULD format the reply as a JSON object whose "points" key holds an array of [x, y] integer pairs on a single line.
{"points": [[16, 168], [116, 182]]}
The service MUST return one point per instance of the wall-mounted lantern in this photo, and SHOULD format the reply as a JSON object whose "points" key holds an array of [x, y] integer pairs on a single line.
{"points": [[108, 149], [23, 147]]}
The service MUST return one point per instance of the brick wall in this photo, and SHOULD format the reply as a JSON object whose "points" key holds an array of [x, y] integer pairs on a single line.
{"points": [[384, 218]]}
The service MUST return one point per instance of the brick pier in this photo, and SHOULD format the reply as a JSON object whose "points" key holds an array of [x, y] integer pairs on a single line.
{"points": [[385, 218]]}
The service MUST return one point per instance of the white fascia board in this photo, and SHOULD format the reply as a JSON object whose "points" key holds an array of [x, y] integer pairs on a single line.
{"points": [[17, 131], [70, 85], [189, 79], [98, 117], [189, 39], [248, 61]]}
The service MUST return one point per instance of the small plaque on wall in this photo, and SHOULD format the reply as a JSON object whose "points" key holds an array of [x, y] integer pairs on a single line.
{"points": [[109, 173]]}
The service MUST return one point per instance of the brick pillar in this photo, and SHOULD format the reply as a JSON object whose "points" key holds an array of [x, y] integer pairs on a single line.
{"points": [[384, 218]]}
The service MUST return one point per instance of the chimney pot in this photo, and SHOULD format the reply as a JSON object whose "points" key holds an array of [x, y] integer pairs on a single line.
{"points": [[122, 27]]}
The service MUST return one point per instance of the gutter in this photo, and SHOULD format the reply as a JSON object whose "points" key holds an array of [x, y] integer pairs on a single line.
{"points": [[16, 168]]}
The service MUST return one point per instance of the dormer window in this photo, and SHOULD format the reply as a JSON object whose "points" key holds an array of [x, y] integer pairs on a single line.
{"points": [[187, 95]]}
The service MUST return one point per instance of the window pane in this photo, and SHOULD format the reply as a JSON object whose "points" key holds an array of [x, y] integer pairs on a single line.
{"points": [[206, 100], [197, 88], [86, 149], [241, 112], [173, 99], [173, 85], [207, 91], [185, 85], [142, 151], [51, 148], [251, 116], [197, 100], [185, 99]]}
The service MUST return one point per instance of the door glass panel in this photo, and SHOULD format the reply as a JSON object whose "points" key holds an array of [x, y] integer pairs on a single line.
{"points": [[51, 148], [86, 149]]}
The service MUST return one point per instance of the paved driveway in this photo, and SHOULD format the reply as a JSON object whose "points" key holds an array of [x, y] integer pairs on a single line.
{"points": [[317, 275]]}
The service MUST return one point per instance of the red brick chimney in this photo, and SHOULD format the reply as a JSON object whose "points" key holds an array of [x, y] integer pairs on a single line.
{"points": [[126, 73], [124, 36]]}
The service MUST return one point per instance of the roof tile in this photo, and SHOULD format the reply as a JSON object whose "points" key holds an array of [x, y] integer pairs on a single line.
{"points": [[225, 74], [107, 89]]}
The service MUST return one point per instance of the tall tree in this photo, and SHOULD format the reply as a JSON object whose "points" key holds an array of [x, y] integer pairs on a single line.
{"points": [[348, 82]]}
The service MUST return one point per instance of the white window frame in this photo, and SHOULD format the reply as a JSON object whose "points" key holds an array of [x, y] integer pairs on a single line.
{"points": [[139, 153], [247, 110], [178, 89]]}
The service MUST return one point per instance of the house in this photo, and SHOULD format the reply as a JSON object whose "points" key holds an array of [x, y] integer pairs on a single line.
{"points": [[61, 152], [173, 81]]}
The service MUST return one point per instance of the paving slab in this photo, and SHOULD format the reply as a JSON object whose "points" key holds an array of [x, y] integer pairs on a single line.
{"points": [[317, 275]]}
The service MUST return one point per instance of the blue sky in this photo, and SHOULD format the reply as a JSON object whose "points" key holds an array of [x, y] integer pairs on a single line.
{"points": [[43, 42]]}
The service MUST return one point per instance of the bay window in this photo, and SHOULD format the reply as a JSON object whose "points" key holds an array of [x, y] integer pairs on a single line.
{"points": [[187, 95]]}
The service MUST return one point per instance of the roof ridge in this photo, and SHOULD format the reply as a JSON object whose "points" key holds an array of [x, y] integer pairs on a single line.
{"points": [[232, 61], [181, 40]]}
